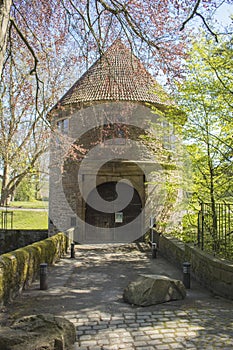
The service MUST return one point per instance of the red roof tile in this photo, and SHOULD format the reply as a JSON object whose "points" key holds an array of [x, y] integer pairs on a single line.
{"points": [[116, 76]]}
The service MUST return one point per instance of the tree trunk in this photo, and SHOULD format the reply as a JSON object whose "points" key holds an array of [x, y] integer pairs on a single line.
{"points": [[5, 6], [5, 194]]}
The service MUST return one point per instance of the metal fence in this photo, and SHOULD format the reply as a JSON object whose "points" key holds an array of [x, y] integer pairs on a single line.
{"points": [[6, 220], [215, 229]]}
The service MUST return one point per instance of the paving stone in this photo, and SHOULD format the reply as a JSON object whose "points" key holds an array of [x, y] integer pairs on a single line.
{"points": [[143, 315], [85, 337], [156, 336], [145, 324], [140, 343], [84, 328], [155, 342], [163, 347], [139, 338], [133, 325], [91, 332], [100, 326], [131, 320], [137, 333], [168, 327], [112, 327], [167, 331], [168, 340], [125, 333], [103, 342], [175, 346], [116, 322], [152, 332], [127, 340], [180, 334], [172, 325], [116, 340], [127, 346], [89, 343]]}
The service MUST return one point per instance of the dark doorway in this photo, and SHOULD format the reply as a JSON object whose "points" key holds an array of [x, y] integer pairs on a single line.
{"points": [[104, 225]]}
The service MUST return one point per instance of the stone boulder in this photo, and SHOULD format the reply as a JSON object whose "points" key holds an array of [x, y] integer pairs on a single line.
{"points": [[38, 332], [153, 289]]}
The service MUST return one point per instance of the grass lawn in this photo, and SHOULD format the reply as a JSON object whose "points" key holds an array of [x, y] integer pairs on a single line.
{"points": [[33, 205], [26, 220]]}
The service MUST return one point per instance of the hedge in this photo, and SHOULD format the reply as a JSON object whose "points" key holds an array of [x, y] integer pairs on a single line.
{"points": [[19, 268]]}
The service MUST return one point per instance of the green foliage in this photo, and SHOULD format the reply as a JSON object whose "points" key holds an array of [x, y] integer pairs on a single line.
{"points": [[28, 219], [207, 100], [25, 191]]}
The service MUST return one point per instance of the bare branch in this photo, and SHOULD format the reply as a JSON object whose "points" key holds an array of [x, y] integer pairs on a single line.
{"points": [[221, 80], [121, 9], [207, 26], [33, 70], [195, 13], [192, 15]]}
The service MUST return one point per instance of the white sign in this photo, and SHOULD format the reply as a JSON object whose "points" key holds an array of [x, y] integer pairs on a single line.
{"points": [[119, 217]]}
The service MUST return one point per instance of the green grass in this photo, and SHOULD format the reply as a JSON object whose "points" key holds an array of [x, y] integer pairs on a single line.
{"points": [[33, 205], [25, 220]]}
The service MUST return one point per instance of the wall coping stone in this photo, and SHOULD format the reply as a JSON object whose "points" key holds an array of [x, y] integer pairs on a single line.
{"points": [[219, 278]]}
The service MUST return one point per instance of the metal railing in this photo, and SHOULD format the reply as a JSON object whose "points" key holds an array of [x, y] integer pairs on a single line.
{"points": [[215, 229], [6, 219]]}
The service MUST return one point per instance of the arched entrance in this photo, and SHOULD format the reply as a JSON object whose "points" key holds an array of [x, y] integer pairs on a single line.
{"points": [[113, 226]]}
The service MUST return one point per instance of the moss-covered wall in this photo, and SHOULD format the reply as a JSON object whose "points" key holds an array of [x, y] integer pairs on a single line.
{"points": [[18, 269]]}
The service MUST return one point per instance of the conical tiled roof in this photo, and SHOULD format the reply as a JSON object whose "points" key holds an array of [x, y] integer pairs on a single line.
{"points": [[116, 76]]}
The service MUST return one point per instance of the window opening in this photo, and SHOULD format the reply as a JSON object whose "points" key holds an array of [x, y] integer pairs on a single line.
{"points": [[63, 126]]}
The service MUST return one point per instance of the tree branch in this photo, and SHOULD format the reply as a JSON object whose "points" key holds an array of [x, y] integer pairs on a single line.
{"points": [[33, 70], [15, 181], [195, 13], [192, 15], [121, 9], [207, 26]]}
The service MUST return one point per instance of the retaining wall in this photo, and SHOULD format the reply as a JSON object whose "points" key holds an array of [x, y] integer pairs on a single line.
{"points": [[14, 239], [18, 269], [215, 274]]}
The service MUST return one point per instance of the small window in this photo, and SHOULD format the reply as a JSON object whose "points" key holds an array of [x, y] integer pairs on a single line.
{"points": [[73, 221], [63, 126]]}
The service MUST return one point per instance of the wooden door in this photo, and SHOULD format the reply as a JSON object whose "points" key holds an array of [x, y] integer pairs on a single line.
{"points": [[102, 226]]}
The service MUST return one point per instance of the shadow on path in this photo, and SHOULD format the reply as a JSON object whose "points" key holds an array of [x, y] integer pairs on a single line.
{"points": [[88, 291]]}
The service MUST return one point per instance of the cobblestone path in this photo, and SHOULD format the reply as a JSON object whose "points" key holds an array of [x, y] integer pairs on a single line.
{"points": [[162, 330], [88, 291]]}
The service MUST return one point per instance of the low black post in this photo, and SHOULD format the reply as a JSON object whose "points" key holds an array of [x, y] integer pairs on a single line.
{"points": [[154, 250], [72, 251], [186, 274], [43, 276]]}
